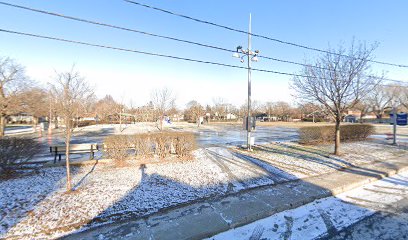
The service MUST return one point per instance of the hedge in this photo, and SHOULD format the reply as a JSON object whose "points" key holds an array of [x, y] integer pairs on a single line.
{"points": [[14, 151], [324, 134], [162, 144]]}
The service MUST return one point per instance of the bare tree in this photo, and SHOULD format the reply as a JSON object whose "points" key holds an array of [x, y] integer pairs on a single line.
{"points": [[308, 110], [106, 106], [269, 108], [195, 110], [256, 108], [337, 82], [403, 96], [163, 100], [12, 82], [218, 108], [283, 110], [364, 107], [35, 101], [70, 90], [380, 98]]}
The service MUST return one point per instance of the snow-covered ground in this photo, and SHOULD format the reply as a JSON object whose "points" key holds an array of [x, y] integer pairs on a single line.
{"points": [[37, 205], [325, 216], [305, 161], [15, 130]]}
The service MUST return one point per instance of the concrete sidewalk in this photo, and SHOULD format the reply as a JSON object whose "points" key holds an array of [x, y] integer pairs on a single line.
{"points": [[205, 219]]}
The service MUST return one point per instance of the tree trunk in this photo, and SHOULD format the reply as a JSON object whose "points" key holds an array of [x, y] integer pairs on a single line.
{"points": [[2, 125], [35, 123], [337, 140], [120, 122], [56, 121], [67, 143]]}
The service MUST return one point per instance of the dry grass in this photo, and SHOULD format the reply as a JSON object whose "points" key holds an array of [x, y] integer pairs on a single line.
{"points": [[147, 146]]}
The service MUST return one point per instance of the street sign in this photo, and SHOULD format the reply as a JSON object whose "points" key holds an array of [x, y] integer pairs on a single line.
{"points": [[251, 123], [402, 119]]}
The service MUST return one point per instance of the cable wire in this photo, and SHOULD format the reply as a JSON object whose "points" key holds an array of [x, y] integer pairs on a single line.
{"points": [[156, 35], [153, 54], [257, 35], [143, 52]]}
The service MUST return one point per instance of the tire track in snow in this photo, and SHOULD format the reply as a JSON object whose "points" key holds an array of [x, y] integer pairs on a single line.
{"points": [[257, 233], [294, 168], [275, 174], [326, 219], [239, 162], [289, 225], [226, 170]]}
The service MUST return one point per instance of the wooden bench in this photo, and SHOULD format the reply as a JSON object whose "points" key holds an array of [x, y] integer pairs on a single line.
{"points": [[74, 148]]}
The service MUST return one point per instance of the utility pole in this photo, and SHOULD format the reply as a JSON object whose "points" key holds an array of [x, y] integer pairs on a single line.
{"points": [[251, 56], [394, 117], [249, 87], [49, 121], [120, 119]]}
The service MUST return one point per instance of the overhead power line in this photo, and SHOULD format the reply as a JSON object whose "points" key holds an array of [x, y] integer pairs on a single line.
{"points": [[257, 35], [146, 33], [150, 53], [157, 35], [144, 53], [112, 26]]}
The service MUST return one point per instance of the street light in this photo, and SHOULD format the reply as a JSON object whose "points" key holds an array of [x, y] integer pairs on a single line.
{"points": [[252, 56]]}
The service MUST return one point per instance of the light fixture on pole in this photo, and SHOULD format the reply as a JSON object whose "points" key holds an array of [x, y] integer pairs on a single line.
{"points": [[252, 56]]}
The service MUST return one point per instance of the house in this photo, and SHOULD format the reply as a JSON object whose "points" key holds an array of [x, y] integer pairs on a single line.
{"points": [[350, 118], [355, 116], [231, 116], [21, 118]]}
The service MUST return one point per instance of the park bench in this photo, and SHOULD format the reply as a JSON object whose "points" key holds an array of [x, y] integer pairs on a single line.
{"points": [[74, 149]]}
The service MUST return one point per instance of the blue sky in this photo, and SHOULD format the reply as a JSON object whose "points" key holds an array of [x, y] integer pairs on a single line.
{"points": [[129, 76]]}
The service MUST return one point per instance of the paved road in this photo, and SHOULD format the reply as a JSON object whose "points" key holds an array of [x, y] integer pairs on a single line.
{"points": [[377, 210]]}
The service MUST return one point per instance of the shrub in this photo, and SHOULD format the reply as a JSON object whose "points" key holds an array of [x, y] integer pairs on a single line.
{"points": [[324, 134], [117, 147], [86, 123], [14, 151], [356, 131], [184, 143], [162, 144], [310, 119], [143, 145]]}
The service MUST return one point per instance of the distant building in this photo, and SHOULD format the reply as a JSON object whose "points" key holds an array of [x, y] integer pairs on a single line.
{"points": [[24, 118], [350, 118], [355, 116], [231, 116]]}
